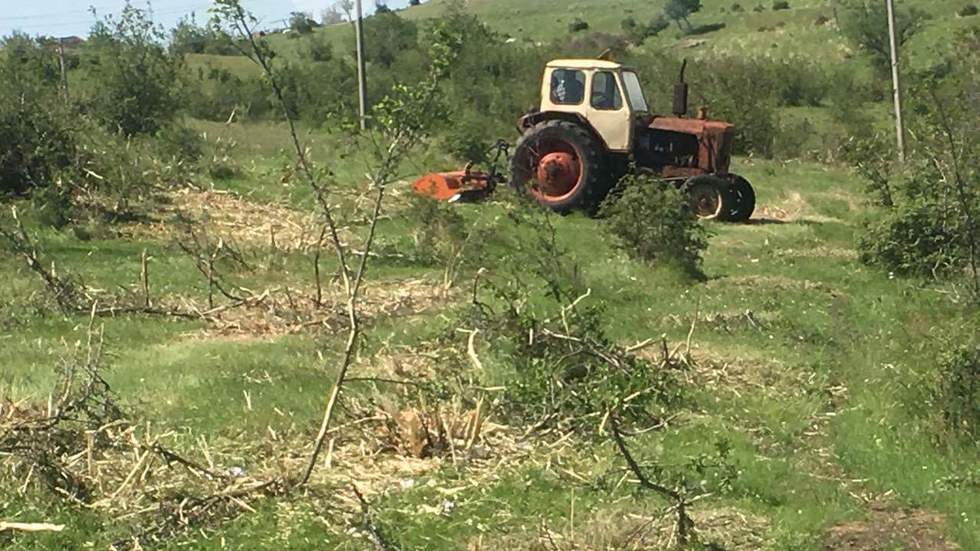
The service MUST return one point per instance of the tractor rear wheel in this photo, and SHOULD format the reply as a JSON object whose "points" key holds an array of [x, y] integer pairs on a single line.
{"points": [[710, 197], [561, 166], [744, 205]]}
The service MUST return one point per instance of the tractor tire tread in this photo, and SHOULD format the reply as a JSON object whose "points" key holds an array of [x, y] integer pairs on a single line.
{"points": [[593, 189]]}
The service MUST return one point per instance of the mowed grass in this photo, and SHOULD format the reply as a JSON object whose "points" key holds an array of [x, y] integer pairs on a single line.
{"points": [[807, 365]]}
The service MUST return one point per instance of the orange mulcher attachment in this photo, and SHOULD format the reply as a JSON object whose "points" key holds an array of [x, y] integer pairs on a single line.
{"points": [[465, 186]]}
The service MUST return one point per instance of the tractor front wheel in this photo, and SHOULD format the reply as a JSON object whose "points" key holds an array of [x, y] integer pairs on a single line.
{"points": [[560, 165], [711, 198], [744, 204]]}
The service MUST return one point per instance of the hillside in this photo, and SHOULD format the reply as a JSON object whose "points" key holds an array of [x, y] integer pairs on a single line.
{"points": [[805, 31]]}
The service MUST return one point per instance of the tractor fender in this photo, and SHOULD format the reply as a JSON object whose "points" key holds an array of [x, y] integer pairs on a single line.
{"points": [[533, 119]]}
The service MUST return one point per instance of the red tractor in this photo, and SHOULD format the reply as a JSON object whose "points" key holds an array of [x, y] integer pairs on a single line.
{"points": [[594, 121], [592, 124]]}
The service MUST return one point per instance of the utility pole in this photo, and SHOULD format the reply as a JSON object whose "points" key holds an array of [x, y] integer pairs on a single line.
{"points": [[64, 71], [361, 71], [896, 81]]}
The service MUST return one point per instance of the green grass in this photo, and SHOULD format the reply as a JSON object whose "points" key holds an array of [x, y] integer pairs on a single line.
{"points": [[821, 321]]}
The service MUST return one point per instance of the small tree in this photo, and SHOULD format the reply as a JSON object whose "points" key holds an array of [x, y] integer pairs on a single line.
{"points": [[301, 23], [331, 16], [387, 35], [138, 88], [866, 25], [654, 223], [36, 141], [932, 229], [680, 10]]}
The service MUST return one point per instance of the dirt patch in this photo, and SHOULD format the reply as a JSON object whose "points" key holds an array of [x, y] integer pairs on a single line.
{"points": [[888, 527], [233, 218], [777, 283], [626, 530], [818, 252], [793, 209], [289, 311]]}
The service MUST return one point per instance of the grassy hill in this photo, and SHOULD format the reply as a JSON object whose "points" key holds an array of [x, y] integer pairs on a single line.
{"points": [[793, 33]]}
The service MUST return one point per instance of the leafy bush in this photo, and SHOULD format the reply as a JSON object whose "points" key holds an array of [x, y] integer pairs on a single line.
{"points": [[680, 10], [301, 23], [919, 236], [866, 25], [959, 391], [780, 5], [387, 36], [933, 228], [219, 93], [190, 38], [575, 383], [578, 25], [968, 11], [181, 143], [221, 164], [36, 137], [655, 26], [569, 374], [136, 83], [318, 48], [654, 223]]}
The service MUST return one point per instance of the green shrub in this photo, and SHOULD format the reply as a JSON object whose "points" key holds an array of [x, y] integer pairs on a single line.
{"points": [[190, 38], [300, 23], [958, 391], [968, 11], [654, 223], [181, 143], [865, 25], [680, 10], [221, 163], [318, 48], [780, 5], [577, 383], [37, 140], [736, 8], [925, 233], [135, 84], [387, 36], [933, 229], [578, 25]]}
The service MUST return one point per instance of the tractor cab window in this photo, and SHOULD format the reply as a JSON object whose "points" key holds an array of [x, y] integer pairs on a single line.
{"points": [[605, 92], [567, 87], [634, 92]]}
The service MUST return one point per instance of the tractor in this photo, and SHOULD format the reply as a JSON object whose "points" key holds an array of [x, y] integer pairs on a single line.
{"points": [[592, 125], [594, 122]]}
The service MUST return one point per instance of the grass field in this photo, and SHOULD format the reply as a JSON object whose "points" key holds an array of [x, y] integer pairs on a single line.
{"points": [[807, 365]]}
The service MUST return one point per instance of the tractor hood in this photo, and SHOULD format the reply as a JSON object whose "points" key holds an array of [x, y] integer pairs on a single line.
{"points": [[715, 139], [692, 126]]}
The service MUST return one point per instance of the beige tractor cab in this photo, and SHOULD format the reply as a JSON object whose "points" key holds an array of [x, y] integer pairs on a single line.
{"points": [[594, 121]]}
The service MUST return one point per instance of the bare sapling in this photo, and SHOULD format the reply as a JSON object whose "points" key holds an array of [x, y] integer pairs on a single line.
{"points": [[399, 123]]}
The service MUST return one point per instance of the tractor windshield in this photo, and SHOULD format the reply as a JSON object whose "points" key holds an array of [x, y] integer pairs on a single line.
{"points": [[634, 92]]}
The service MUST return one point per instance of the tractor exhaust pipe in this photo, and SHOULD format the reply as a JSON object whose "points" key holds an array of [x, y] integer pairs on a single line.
{"points": [[680, 94]]}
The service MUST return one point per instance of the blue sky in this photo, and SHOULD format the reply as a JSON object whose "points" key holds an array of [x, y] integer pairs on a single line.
{"points": [[72, 17]]}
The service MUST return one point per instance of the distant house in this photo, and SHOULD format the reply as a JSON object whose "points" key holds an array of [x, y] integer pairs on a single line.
{"points": [[71, 41]]}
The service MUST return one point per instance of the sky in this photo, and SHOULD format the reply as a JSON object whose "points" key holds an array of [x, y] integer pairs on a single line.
{"points": [[74, 17]]}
